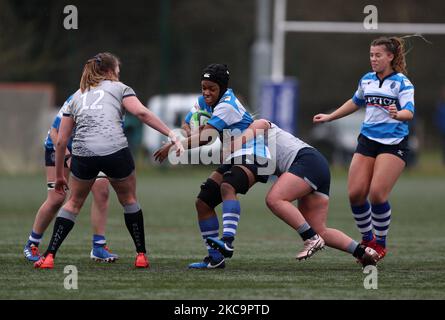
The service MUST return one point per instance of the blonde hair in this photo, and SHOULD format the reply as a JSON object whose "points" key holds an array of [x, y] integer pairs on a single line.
{"points": [[396, 46], [101, 67]]}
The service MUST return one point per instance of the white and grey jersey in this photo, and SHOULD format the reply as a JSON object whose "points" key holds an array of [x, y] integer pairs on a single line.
{"points": [[286, 147], [99, 116]]}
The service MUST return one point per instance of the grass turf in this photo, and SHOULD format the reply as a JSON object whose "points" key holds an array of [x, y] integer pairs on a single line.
{"points": [[263, 266]]}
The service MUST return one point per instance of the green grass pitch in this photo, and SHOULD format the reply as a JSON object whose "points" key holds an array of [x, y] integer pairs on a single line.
{"points": [[263, 266]]}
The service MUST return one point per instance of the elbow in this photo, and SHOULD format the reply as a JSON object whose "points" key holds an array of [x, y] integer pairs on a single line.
{"points": [[265, 124], [61, 144], [143, 116]]}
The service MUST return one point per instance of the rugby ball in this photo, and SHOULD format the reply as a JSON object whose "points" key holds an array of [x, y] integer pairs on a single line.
{"points": [[198, 119]]}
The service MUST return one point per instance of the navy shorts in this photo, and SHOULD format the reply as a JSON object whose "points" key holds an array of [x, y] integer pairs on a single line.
{"points": [[251, 163], [371, 148], [50, 158], [118, 165], [311, 166]]}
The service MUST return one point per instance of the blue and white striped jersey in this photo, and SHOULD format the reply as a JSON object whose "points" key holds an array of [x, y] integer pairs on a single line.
{"points": [[49, 143], [377, 95], [199, 105], [231, 118]]}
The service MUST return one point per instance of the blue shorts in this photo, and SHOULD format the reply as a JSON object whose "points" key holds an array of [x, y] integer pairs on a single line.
{"points": [[311, 166], [50, 158], [118, 165], [371, 148]]}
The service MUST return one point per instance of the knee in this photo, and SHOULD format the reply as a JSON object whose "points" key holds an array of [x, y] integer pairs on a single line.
{"points": [[56, 200], [227, 190], [377, 196], [357, 195], [101, 196], [203, 209], [272, 202]]}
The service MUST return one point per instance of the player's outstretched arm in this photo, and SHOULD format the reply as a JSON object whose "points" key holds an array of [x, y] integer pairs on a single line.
{"points": [[346, 109], [204, 136], [134, 106], [259, 126]]}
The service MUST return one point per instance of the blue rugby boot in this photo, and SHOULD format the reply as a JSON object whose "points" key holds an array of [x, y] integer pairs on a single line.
{"points": [[223, 245], [31, 252], [102, 254], [209, 263]]}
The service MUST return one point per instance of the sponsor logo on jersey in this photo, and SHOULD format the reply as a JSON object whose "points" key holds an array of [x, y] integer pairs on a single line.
{"points": [[380, 101]]}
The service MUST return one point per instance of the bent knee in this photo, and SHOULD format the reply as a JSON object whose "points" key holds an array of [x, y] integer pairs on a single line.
{"points": [[227, 189], [273, 202]]}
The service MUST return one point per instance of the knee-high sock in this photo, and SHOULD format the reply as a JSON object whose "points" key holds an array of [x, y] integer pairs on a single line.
{"points": [[362, 216], [62, 226], [134, 220], [231, 216], [210, 228], [381, 218]]}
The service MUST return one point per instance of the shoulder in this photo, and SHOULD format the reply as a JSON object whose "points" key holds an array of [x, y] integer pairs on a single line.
{"points": [[72, 99], [223, 106], [228, 97], [404, 81], [368, 76]]}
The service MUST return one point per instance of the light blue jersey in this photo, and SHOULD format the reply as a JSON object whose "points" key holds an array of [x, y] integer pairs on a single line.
{"points": [[231, 118], [49, 143], [377, 95], [199, 105]]}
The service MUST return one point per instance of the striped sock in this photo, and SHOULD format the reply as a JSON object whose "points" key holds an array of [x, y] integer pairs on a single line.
{"points": [[99, 241], [210, 228], [34, 238], [362, 216], [231, 215], [381, 218]]}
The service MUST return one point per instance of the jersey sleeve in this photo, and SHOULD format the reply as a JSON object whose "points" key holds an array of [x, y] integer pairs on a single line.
{"points": [[406, 95], [224, 116], [127, 91], [359, 97], [67, 108]]}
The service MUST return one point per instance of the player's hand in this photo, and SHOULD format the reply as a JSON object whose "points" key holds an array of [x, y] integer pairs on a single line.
{"points": [[61, 186], [321, 117], [161, 154], [392, 109], [179, 148], [176, 142]]}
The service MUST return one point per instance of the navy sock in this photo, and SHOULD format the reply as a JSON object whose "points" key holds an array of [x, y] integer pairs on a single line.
{"points": [[134, 220], [305, 231], [62, 227]]}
